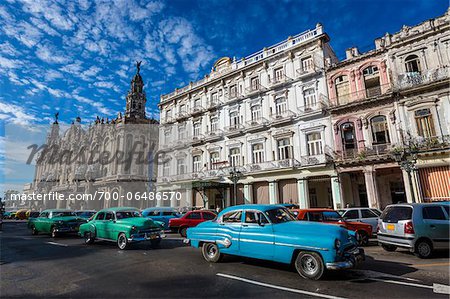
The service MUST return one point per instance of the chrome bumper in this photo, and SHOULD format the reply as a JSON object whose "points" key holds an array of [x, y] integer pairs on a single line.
{"points": [[352, 258], [187, 241], [67, 229], [146, 237]]}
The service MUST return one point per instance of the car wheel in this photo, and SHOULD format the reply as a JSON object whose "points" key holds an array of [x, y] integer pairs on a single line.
{"points": [[155, 242], [54, 233], [122, 241], [390, 248], [424, 249], [183, 231], [34, 231], [309, 265], [362, 237], [89, 238], [211, 252]]}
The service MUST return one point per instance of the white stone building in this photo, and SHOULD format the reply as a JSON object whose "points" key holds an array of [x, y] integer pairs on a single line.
{"points": [[263, 117]]}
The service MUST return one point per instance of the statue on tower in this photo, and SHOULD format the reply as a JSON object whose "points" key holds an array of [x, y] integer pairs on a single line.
{"points": [[56, 118], [138, 66]]}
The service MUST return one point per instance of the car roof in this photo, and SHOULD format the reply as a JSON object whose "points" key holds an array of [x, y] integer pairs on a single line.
{"points": [[118, 209], [252, 207], [160, 209], [417, 204]]}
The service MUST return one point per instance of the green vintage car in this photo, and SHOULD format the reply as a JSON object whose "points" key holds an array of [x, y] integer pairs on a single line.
{"points": [[55, 222], [122, 225]]}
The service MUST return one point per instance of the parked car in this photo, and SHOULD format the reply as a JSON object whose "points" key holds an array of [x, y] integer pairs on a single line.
{"points": [[122, 225], [365, 215], [33, 214], [190, 219], [55, 222], [162, 214], [21, 214], [420, 227], [362, 231], [270, 232], [85, 214]]}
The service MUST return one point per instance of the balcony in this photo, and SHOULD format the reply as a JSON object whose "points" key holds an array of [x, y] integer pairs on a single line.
{"points": [[314, 109], [256, 124], [314, 160], [432, 143], [168, 120], [366, 154], [213, 104], [234, 130], [279, 80], [198, 138], [306, 72], [213, 135], [213, 173], [197, 175], [233, 96], [197, 109], [409, 80], [272, 165], [282, 117], [182, 115], [255, 89]]}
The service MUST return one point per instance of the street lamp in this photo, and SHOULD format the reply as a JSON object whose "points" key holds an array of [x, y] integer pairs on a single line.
{"points": [[407, 159], [235, 175]]}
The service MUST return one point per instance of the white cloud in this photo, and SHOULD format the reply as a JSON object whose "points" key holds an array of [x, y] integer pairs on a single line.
{"points": [[52, 12], [15, 114], [50, 55]]}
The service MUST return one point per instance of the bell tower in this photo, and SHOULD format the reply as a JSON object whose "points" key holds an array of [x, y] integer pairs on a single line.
{"points": [[136, 98]]}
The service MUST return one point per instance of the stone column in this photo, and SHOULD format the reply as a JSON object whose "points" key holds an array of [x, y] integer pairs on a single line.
{"points": [[336, 192], [303, 193], [227, 197], [188, 198], [248, 194], [371, 187], [410, 193], [273, 192]]}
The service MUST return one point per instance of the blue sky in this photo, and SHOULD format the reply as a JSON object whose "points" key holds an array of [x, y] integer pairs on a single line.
{"points": [[77, 56]]}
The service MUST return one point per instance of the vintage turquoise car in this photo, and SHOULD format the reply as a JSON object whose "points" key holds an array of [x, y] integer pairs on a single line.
{"points": [[55, 222], [163, 214], [122, 225], [270, 232]]}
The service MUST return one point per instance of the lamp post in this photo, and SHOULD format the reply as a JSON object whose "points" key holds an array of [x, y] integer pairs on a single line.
{"points": [[407, 159], [235, 175]]}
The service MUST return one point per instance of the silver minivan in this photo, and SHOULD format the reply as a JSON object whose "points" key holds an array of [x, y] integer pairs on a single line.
{"points": [[420, 227], [365, 215]]}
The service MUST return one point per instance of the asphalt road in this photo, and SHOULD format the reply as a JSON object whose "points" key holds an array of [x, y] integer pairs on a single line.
{"points": [[39, 266]]}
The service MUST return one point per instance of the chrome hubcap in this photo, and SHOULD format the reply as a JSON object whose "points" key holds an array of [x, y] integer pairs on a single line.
{"points": [[424, 249], [122, 242], [308, 264], [211, 250]]}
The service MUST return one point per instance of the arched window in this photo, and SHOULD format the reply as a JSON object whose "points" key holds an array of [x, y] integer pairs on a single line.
{"points": [[342, 89], [372, 81], [380, 130], [412, 64]]}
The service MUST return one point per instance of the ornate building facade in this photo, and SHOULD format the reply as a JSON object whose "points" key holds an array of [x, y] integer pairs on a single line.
{"points": [[261, 121], [110, 160], [393, 102]]}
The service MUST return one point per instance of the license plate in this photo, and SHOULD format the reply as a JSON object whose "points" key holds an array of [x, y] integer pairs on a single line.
{"points": [[390, 227]]}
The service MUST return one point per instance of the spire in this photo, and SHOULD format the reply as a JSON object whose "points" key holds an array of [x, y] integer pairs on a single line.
{"points": [[136, 98]]}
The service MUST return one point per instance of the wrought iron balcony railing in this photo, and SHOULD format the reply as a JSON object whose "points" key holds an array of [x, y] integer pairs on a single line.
{"points": [[412, 79], [282, 116]]}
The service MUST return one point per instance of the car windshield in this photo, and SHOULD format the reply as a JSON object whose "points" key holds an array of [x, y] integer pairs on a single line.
{"points": [[376, 212], [341, 212], [279, 215], [331, 216], [63, 214], [127, 214]]}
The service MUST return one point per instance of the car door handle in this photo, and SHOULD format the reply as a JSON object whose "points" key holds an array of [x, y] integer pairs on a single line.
{"points": [[433, 226], [245, 225]]}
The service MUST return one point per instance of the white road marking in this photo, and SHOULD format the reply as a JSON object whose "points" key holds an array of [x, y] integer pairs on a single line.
{"points": [[277, 287], [376, 274], [402, 283], [57, 244], [441, 288]]}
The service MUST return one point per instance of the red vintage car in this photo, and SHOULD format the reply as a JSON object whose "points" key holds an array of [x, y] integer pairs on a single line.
{"points": [[363, 230], [190, 219]]}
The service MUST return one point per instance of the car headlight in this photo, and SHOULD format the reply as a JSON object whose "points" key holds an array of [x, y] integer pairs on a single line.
{"points": [[337, 243], [133, 228]]}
